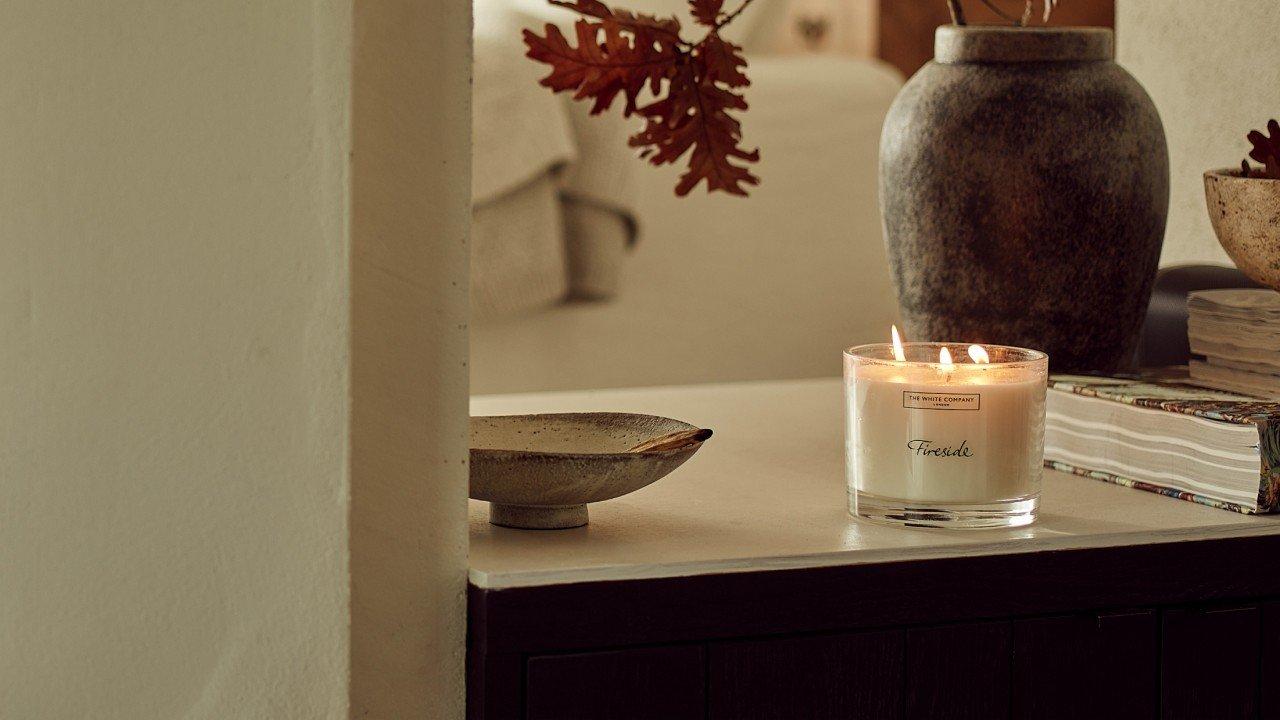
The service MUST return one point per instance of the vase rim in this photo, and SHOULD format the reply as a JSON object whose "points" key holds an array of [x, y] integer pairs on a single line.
{"points": [[1233, 174], [959, 44]]}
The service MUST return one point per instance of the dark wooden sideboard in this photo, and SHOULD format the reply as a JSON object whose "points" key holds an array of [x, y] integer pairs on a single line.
{"points": [[1187, 629]]}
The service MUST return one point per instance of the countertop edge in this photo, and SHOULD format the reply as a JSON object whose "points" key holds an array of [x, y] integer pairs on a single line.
{"points": [[520, 579]]}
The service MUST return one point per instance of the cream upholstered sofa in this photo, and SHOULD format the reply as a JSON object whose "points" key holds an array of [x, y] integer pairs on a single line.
{"points": [[721, 288]]}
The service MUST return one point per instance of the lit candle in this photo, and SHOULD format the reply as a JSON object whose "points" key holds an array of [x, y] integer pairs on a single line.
{"points": [[944, 434]]}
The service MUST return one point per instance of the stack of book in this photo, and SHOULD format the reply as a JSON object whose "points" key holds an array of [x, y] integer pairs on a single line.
{"points": [[1211, 447], [1235, 340]]}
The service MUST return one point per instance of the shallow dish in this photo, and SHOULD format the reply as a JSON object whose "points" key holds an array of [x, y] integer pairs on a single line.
{"points": [[540, 471]]}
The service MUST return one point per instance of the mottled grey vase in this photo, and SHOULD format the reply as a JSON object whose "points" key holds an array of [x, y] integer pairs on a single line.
{"points": [[1024, 180]]}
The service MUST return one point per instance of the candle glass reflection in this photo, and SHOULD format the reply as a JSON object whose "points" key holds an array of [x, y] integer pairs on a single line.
{"points": [[945, 434]]}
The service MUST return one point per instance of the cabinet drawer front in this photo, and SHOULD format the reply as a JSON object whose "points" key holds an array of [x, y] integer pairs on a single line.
{"points": [[1209, 664], [639, 684], [958, 672], [1086, 666], [834, 676]]}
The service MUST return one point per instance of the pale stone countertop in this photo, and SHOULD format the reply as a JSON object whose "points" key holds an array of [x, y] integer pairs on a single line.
{"points": [[768, 492]]}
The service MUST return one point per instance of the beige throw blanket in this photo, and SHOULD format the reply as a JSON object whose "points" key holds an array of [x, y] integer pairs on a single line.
{"points": [[552, 190]]}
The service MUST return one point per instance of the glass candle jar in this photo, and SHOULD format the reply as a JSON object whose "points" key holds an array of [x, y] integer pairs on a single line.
{"points": [[943, 434]]}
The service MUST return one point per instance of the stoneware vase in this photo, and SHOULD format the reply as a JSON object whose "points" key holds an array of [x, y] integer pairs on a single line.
{"points": [[1245, 213], [1024, 181]]}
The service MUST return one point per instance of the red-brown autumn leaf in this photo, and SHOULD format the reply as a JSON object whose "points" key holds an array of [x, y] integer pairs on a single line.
{"points": [[722, 62], [620, 53], [667, 28], [706, 12], [1266, 150], [692, 86], [712, 140], [694, 118]]}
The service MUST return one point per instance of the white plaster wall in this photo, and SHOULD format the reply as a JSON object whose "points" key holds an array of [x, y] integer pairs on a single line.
{"points": [[411, 217], [1214, 75], [173, 342]]}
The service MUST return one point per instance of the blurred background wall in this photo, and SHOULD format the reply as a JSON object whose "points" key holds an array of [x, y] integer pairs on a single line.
{"points": [[1214, 75], [711, 288]]}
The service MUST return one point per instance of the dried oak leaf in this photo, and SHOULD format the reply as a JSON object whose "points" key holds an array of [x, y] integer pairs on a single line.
{"points": [[706, 12], [723, 62], [1266, 150], [668, 29], [692, 86], [619, 53], [694, 117]]}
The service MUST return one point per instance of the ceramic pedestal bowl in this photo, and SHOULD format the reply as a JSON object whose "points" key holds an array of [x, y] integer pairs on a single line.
{"points": [[1245, 213], [540, 471]]}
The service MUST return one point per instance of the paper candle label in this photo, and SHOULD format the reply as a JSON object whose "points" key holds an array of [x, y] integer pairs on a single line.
{"points": [[941, 401]]}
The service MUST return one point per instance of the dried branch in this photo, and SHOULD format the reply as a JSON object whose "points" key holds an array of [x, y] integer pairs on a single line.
{"points": [[731, 16], [1028, 9], [995, 9]]}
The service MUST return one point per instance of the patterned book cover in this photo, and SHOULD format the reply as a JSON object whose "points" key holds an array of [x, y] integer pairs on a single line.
{"points": [[1164, 391]]}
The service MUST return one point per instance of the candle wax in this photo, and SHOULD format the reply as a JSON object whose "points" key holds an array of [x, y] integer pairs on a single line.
{"points": [[963, 433]]}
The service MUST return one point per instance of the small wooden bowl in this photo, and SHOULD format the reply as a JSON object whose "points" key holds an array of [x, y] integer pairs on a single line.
{"points": [[540, 471]]}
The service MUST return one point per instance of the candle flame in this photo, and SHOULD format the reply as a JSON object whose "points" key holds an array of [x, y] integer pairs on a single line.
{"points": [[979, 355], [898, 353], [944, 359]]}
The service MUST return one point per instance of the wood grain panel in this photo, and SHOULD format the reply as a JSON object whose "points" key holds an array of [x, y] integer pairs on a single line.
{"points": [[1085, 666], [641, 684], [1269, 671], [1051, 667], [1209, 664], [836, 676], [958, 672], [495, 686], [506, 625], [1126, 679]]}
